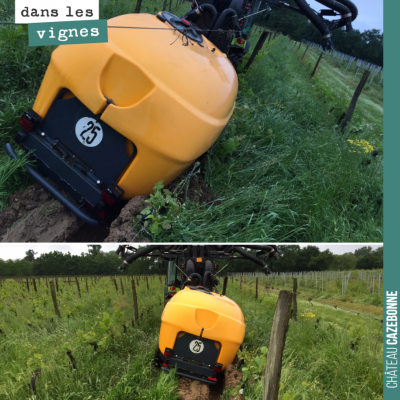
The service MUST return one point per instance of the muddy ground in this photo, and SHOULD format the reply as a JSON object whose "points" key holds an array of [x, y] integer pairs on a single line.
{"points": [[33, 215], [195, 390]]}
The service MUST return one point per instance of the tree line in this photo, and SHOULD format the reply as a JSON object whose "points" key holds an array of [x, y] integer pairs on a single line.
{"points": [[291, 258], [367, 45]]}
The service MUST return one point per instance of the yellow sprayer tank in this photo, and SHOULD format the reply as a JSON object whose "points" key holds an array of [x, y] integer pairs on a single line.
{"points": [[201, 332], [112, 119]]}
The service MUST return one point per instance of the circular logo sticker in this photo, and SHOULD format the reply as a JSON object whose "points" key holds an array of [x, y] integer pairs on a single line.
{"points": [[89, 131], [196, 346]]}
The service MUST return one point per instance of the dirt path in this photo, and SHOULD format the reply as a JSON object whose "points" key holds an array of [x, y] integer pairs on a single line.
{"points": [[33, 215], [195, 390]]}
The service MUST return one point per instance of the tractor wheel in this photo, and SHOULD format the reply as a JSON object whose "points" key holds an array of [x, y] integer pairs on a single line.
{"points": [[157, 360]]}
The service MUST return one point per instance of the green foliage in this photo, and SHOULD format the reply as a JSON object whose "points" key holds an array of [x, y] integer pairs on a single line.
{"points": [[254, 362], [120, 367], [162, 210]]}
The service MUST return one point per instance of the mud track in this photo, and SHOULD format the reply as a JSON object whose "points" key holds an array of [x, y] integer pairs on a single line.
{"points": [[33, 215], [195, 390]]}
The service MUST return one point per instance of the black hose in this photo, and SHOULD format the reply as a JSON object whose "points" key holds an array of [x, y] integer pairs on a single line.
{"points": [[190, 282], [223, 18], [195, 15], [197, 276], [260, 247], [352, 7], [343, 10], [147, 250], [327, 43], [207, 280], [249, 256]]}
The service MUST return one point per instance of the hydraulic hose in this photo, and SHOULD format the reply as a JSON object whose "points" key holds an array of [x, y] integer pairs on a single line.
{"points": [[326, 35], [147, 250], [251, 257], [204, 8], [227, 14], [261, 247], [189, 281], [207, 280], [352, 7], [343, 10]]}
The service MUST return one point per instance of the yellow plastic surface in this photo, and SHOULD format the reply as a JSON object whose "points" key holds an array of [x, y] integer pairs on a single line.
{"points": [[172, 101], [190, 311]]}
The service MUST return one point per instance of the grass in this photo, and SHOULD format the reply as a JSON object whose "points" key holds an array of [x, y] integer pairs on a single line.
{"points": [[368, 116], [120, 369], [281, 167], [319, 359], [292, 174]]}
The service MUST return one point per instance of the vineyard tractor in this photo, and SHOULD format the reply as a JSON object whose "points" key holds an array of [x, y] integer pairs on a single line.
{"points": [[201, 330], [112, 119]]}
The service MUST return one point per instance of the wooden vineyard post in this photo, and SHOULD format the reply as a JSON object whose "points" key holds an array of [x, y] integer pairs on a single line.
{"points": [[256, 289], [258, 47], [138, 5], [299, 46], [147, 283], [353, 103], [57, 284], [135, 301], [277, 339], [122, 287], [54, 297], [316, 65], [225, 285], [294, 299], [115, 283], [27, 284], [79, 289], [34, 284], [87, 287]]}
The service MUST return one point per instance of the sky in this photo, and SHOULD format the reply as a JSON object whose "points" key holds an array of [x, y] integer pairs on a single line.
{"points": [[370, 13], [17, 250]]}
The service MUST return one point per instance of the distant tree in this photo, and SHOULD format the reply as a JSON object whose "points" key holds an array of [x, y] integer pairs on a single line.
{"points": [[372, 260], [287, 258], [322, 262], [344, 262], [30, 255], [361, 252], [94, 249], [305, 256], [15, 268]]}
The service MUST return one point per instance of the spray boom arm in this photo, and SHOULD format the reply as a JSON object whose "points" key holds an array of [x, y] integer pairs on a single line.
{"points": [[346, 9], [211, 251]]}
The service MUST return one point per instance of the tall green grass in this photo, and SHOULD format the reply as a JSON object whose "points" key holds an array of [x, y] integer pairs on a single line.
{"points": [[121, 368], [293, 176]]}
